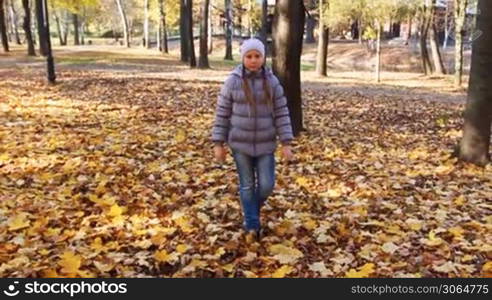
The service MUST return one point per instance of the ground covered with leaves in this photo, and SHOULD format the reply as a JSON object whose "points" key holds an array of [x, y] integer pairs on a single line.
{"points": [[112, 176]]}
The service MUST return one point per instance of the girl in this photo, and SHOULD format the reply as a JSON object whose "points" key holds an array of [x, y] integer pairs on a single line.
{"points": [[251, 112]]}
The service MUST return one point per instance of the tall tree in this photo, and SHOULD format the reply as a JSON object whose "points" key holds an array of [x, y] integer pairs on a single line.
{"points": [[76, 26], [26, 25], [203, 60], [264, 23], [310, 23], [250, 18], [162, 17], [434, 42], [183, 31], [14, 18], [459, 17], [210, 29], [59, 28], [323, 39], [124, 22], [288, 29], [425, 23], [43, 39], [475, 144], [190, 35], [146, 24], [228, 15], [50, 64], [3, 28]]}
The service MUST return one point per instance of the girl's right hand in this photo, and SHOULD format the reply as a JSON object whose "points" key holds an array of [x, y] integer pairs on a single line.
{"points": [[220, 153]]}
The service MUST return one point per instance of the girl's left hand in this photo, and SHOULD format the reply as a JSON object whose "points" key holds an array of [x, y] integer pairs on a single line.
{"points": [[287, 153]]}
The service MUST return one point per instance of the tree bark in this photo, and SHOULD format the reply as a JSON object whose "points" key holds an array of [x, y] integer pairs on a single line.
{"points": [[183, 32], [361, 30], [250, 18], [3, 28], [203, 60], [162, 13], [434, 42], [459, 17], [146, 43], [378, 52], [288, 28], [76, 37], [58, 26], [264, 16], [13, 16], [446, 26], [228, 13], [124, 21], [189, 27], [310, 25], [27, 28], [210, 29], [49, 57], [475, 144], [424, 33], [409, 30], [324, 35], [43, 39], [82, 29]]}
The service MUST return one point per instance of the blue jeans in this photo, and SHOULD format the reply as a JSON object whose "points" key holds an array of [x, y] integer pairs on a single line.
{"points": [[256, 183]]}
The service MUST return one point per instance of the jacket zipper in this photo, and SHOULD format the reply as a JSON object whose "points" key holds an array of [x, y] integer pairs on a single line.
{"points": [[254, 98]]}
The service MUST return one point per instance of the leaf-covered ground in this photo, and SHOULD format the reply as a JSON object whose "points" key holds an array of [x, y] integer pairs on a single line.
{"points": [[114, 176]]}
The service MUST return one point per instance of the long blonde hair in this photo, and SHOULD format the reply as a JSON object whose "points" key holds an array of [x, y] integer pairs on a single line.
{"points": [[249, 94]]}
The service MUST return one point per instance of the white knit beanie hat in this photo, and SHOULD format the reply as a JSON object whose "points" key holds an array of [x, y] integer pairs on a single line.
{"points": [[252, 44]]}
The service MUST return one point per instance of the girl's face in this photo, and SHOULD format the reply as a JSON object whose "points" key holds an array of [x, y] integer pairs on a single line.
{"points": [[253, 60]]}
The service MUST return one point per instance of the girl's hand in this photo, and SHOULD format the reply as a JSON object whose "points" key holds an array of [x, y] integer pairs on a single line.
{"points": [[287, 153], [220, 153]]}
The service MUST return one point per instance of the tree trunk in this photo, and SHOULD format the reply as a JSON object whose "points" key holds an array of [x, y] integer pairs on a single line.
{"points": [[27, 28], [210, 29], [82, 31], [378, 52], [324, 34], [124, 22], [146, 43], [203, 61], [424, 30], [459, 17], [228, 12], [76, 38], [409, 30], [162, 14], [43, 47], [446, 26], [189, 27], [13, 16], [66, 27], [3, 28], [475, 144], [239, 22], [434, 42], [183, 32], [310, 24], [250, 18], [58, 25], [264, 16], [288, 31], [49, 57], [361, 30]]}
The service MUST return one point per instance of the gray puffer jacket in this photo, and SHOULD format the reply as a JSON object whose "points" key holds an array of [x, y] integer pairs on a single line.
{"points": [[246, 129]]}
